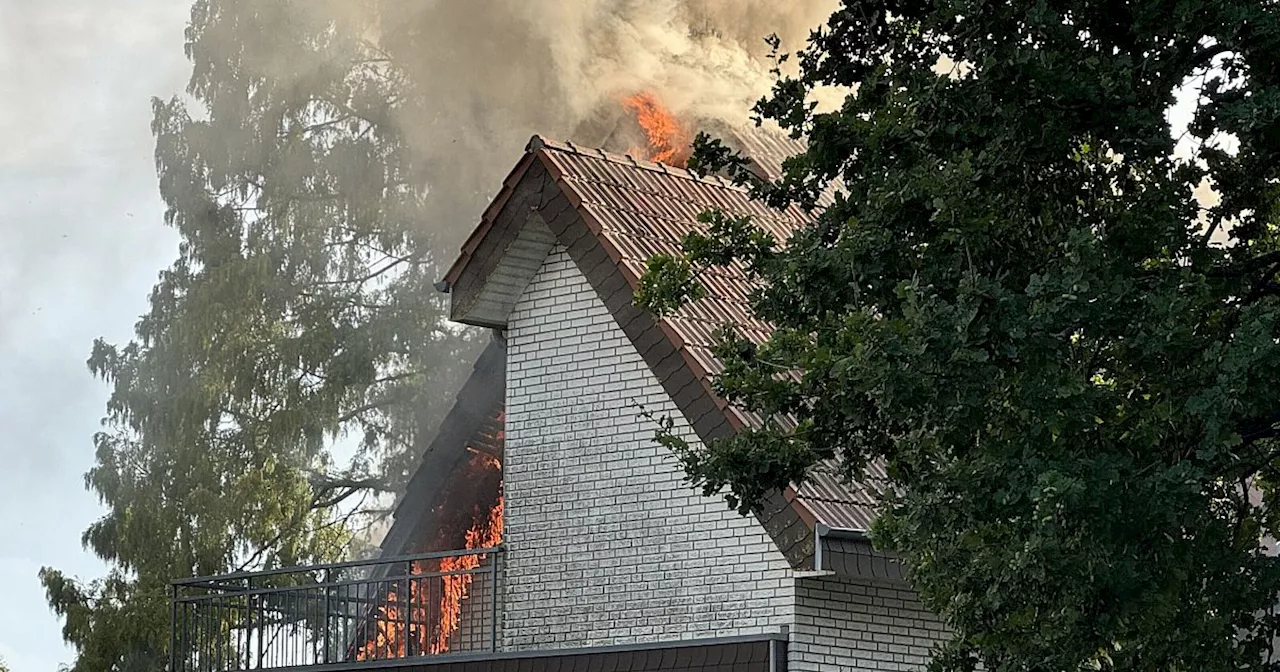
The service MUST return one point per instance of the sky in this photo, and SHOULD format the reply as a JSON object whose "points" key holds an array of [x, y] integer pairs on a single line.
{"points": [[81, 242]]}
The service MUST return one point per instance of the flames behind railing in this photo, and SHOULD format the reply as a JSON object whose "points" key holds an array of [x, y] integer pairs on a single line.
{"points": [[339, 613]]}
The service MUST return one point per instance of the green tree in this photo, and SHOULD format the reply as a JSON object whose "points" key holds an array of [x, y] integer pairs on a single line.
{"points": [[1068, 364], [300, 310]]}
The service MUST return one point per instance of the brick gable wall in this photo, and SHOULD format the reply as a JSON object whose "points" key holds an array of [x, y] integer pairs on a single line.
{"points": [[605, 542], [860, 625]]}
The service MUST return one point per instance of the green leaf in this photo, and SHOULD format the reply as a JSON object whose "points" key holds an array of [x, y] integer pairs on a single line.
{"points": [[1017, 307]]}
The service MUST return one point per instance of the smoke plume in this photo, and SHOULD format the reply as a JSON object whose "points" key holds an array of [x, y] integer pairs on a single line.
{"points": [[492, 74]]}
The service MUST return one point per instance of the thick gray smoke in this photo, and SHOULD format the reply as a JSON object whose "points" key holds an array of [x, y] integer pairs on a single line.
{"points": [[488, 75], [494, 73]]}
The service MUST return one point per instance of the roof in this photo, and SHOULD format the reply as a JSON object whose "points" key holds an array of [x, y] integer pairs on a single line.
{"points": [[612, 213], [474, 423]]}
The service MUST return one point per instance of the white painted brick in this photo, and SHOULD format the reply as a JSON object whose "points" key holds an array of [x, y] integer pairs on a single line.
{"points": [[606, 543], [860, 625]]}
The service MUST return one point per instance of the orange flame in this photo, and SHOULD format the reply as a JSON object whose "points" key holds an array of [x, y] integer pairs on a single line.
{"points": [[390, 638], [485, 534], [668, 140]]}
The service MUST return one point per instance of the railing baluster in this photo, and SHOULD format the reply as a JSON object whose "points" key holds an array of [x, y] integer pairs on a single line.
{"points": [[328, 578], [202, 622], [344, 596], [193, 631], [406, 606], [217, 640], [262, 626], [186, 635], [242, 641], [200, 657], [173, 628], [288, 612], [248, 628], [493, 602]]}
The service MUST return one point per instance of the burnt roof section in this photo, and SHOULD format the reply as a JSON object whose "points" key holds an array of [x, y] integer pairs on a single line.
{"points": [[612, 213], [474, 423]]}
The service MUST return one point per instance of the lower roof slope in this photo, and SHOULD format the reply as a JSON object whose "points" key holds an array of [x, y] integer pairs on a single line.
{"points": [[473, 424]]}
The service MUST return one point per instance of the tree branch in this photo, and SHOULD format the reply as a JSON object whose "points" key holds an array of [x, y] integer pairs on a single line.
{"points": [[365, 408], [374, 274], [328, 483], [1269, 259]]}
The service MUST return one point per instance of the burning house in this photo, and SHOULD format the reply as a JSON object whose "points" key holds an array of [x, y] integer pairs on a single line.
{"points": [[545, 529]]}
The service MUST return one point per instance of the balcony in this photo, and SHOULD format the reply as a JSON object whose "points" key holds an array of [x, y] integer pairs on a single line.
{"points": [[355, 613]]}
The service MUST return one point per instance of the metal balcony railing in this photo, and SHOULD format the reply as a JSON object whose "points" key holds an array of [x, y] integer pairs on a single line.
{"points": [[354, 612]]}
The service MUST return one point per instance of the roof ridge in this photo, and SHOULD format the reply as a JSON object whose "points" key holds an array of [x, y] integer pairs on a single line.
{"points": [[541, 144]]}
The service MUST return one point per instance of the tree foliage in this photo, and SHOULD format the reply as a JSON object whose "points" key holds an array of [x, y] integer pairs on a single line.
{"points": [[1068, 364], [300, 310]]}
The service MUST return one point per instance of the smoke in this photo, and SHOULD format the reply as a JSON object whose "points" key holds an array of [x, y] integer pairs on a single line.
{"points": [[455, 89], [702, 57], [480, 78], [492, 74]]}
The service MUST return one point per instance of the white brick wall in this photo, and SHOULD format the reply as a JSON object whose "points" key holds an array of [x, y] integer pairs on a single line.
{"points": [[606, 543], [860, 625]]}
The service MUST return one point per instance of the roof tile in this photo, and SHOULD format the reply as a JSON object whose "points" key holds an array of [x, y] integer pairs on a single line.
{"points": [[639, 209]]}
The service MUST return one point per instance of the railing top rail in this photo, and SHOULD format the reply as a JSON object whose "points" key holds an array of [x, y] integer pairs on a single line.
{"points": [[235, 591], [214, 580]]}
